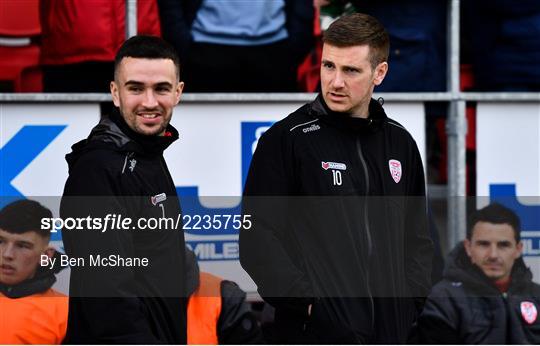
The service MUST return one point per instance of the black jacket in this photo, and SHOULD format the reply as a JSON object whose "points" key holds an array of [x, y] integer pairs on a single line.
{"points": [[119, 172], [330, 221], [41, 282], [177, 16], [467, 308]]}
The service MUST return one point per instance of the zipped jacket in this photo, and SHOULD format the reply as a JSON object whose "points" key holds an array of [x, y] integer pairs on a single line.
{"points": [[119, 172], [339, 221], [467, 308]]}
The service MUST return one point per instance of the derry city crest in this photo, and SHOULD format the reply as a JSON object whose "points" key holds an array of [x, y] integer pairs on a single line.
{"points": [[395, 169]]}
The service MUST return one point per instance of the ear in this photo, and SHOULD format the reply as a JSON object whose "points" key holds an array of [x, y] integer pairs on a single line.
{"points": [[50, 251], [115, 93], [380, 73], [467, 245], [519, 248], [178, 91]]}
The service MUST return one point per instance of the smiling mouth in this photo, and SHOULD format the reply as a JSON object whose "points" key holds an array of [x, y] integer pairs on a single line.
{"points": [[149, 116]]}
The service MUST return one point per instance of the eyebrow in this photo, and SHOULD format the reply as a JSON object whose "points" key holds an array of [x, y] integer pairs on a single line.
{"points": [[324, 61], [137, 83], [26, 243]]}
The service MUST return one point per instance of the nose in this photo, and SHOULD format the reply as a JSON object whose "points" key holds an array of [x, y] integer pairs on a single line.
{"points": [[7, 251], [150, 100], [338, 81], [493, 252]]}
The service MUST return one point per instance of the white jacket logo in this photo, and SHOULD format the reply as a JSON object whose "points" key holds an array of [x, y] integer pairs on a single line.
{"points": [[313, 127], [395, 170], [333, 165]]}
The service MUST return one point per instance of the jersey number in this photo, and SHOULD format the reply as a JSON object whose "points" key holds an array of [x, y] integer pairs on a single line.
{"points": [[337, 177]]}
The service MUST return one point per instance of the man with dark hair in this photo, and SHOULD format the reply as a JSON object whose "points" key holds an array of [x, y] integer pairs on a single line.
{"points": [[30, 310], [119, 172], [339, 243], [487, 295]]}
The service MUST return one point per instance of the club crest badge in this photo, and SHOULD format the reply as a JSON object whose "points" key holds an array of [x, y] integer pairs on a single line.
{"points": [[158, 198], [529, 312], [395, 169]]}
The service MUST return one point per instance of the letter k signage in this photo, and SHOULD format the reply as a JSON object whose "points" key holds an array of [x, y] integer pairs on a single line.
{"points": [[20, 151]]}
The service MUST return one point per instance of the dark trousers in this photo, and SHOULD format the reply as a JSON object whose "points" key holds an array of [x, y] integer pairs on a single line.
{"points": [[220, 68], [85, 77]]}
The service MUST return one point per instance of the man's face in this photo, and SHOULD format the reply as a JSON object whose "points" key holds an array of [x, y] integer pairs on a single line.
{"points": [[146, 91], [347, 78], [493, 249], [20, 255]]}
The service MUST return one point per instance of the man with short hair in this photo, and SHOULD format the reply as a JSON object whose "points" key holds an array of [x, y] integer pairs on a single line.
{"points": [[339, 243], [487, 295], [119, 172], [31, 312]]}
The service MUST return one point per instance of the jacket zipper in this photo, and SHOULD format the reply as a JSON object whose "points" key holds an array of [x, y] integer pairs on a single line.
{"points": [[366, 224], [167, 174]]}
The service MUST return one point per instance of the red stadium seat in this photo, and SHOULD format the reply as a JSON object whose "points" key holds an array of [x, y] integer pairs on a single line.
{"points": [[19, 58], [20, 65], [19, 18]]}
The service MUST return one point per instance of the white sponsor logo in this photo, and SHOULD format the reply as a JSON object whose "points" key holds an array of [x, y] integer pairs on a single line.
{"points": [[529, 312], [132, 164], [313, 127], [158, 198], [333, 165], [395, 170]]}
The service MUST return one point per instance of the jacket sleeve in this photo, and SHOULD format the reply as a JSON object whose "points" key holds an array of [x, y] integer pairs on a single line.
{"points": [[237, 324], [103, 306], [437, 322], [264, 251], [418, 244]]}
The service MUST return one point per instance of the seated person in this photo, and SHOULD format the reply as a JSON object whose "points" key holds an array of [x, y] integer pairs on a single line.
{"points": [[31, 312], [217, 310], [487, 295]]}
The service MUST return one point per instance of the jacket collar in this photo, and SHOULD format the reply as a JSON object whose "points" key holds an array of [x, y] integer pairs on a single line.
{"points": [[460, 268], [375, 121], [114, 129], [42, 281], [113, 133]]}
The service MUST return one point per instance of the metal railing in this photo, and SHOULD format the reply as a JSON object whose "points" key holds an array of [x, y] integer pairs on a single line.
{"points": [[456, 124]]}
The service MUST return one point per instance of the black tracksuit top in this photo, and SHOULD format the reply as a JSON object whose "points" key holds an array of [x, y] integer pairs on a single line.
{"points": [[333, 221], [117, 171]]}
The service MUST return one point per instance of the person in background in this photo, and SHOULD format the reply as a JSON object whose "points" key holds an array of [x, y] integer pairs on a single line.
{"points": [[504, 44], [487, 295], [218, 313], [31, 312], [80, 39], [238, 45]]}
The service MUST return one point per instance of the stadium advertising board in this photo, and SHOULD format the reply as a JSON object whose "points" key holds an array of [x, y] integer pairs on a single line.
{"points": [[508, 166]]}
